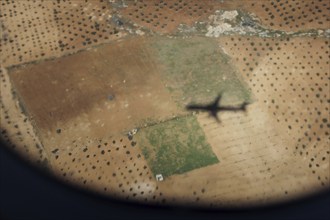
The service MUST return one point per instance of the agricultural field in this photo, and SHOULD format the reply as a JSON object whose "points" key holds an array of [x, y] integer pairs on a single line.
{"points": [[176, 146], [197, 70], [97, 93]]}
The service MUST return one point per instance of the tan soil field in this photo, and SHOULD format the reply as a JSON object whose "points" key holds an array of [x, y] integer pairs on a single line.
{"points": [[113, 166], [16, 128], [166, 16], [70, 97], [37, 30]]}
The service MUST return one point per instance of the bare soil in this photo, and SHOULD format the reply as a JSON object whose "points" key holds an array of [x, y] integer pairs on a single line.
{"points": [[16, 129], [38, 30], [113, 166], [165, 17], [95, 93]]}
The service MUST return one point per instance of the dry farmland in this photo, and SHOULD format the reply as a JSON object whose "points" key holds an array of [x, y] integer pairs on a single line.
{"points": [[95, 93]]}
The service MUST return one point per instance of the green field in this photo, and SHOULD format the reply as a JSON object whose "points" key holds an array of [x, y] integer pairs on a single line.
{"points": [[196, 70], [175, 146]]}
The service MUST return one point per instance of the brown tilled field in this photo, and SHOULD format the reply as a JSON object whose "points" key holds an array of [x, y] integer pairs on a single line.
{"points": [[96, 92], [93, 93]]}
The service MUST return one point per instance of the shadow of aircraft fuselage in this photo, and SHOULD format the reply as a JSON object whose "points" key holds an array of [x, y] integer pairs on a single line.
{"points": [[215, 107]]}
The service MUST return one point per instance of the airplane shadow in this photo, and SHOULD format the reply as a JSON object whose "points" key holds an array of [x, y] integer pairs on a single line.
{"points": [[214, 108]]}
